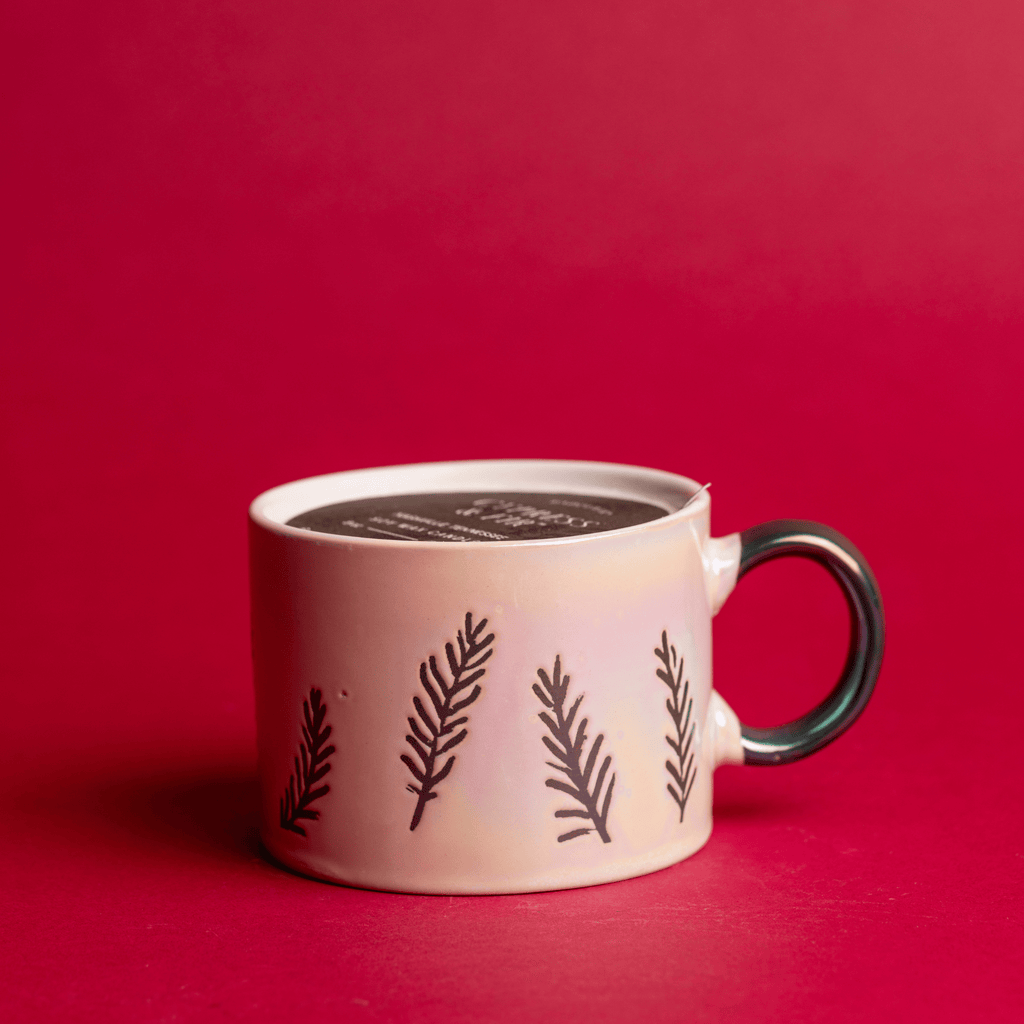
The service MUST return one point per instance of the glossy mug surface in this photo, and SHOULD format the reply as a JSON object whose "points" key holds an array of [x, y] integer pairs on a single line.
{"points": [[446, 707]]}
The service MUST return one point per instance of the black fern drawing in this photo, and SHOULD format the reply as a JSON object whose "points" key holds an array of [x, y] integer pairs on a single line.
{"points": [[434, 734], [680, 707], [569, 751], [310, 766]]}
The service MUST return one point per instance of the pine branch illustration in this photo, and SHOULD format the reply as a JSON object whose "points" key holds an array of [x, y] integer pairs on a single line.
{"points": [[680, 707], [568, 750], [310, 766], [434, 733]]}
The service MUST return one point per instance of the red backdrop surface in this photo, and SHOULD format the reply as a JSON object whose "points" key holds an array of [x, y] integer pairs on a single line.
{"points": [[775, 247]]}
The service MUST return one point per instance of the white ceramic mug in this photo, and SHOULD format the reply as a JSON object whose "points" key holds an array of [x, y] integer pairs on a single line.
{"points": [[444, 707]]}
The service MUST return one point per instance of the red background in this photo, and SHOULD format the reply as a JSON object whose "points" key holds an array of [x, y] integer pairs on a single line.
{"points": [[777, 247]]}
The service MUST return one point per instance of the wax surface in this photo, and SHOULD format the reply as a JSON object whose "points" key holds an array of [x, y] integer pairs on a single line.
{"points": [[478, 517]]}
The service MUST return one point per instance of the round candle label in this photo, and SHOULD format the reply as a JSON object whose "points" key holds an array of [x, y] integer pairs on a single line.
{"points": [[477, 516]]}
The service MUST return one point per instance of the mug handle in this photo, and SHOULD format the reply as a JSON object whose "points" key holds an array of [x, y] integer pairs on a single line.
{"points": [[838, 711]]}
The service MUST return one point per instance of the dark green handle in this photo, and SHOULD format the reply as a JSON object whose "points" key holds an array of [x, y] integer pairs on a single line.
{"points": [[838, 711]]}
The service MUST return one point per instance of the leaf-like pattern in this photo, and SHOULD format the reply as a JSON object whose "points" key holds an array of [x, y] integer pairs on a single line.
{"points": [[680, 707], [432, 733], [568, 749], [310, 766]]}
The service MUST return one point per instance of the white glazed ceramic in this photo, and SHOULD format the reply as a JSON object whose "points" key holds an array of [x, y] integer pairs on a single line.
{"points": [[343, 627]]}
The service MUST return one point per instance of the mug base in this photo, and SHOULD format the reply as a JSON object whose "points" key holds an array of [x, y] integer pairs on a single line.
{"points": [[325, 869]]}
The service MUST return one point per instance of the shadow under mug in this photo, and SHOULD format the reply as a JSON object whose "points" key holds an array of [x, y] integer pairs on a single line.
{"points": [[482, 713]]}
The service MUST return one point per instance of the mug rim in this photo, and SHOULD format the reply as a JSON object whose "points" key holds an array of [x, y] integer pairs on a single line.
{"points": [[274, 507]]}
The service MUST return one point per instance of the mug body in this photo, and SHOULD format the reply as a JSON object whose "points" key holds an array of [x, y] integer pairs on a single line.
{"points": [[488, 717]]}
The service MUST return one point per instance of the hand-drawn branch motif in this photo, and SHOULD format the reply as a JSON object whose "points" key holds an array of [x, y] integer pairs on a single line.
{"points": [[312, 767], [428, 737], [680, 707], [568, 750]]}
